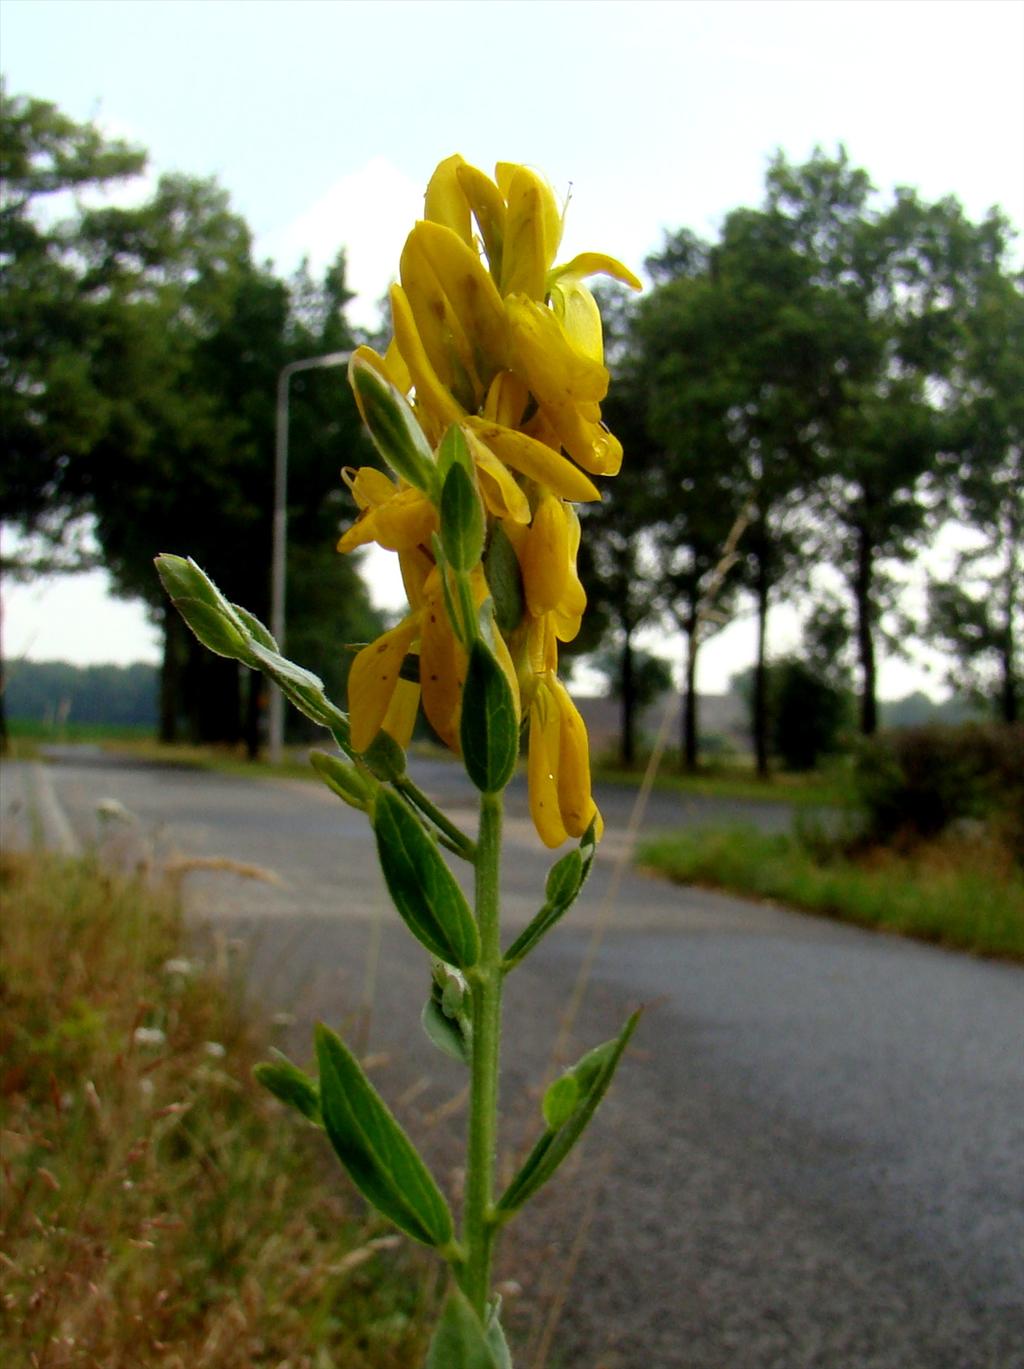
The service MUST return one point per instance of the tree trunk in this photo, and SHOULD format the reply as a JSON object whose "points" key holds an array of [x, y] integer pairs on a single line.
{"points": [[170, 676], [761, 672], [254, 700], [627, 700], [4, 739], [865, 633], [1009, 690], [689, 738]]}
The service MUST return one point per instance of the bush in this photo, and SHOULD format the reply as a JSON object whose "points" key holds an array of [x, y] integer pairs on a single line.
{"points": [[914, 783]]}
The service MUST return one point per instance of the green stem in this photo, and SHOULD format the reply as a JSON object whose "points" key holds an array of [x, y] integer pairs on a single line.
{"points": [[457, 839], [485, 979]]}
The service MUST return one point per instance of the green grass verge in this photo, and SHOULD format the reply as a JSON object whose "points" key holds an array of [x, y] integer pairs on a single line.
{"points": [[969, 896], [19, 728], [804, 791], [159, 1207]]}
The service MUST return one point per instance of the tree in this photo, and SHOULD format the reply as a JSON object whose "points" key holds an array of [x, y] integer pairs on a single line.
{"points": [[898, 284], [977, 615], [746, 323], [50, 410]]}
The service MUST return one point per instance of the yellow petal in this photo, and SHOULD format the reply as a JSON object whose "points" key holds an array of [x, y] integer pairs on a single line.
{"points": [[576, 805], [488, 206], [552, 368], [442, 665], [362, 531], [542, 645], [397, 371], [444, 201], [596, 264], [506, 399], [415, 565], [400, 719], [442, 333], [369, 486], [545, 563], [430, 393], [406, 521], [372, 680], [542, 769], [535, 460], [533, 230], [587, 442], [498, 488], [576, 310], [471, 294]]}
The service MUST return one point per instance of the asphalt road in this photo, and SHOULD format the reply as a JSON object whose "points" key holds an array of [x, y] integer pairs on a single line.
{"points": [[813, 1156]]}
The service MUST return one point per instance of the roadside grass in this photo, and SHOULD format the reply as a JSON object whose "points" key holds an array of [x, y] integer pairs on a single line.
{"points": [[26, 730], [818, 789], [967, 894], [160, 1208]]}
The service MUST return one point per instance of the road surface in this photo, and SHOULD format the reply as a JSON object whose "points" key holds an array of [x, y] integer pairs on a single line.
{"points": [[813, 1156]]}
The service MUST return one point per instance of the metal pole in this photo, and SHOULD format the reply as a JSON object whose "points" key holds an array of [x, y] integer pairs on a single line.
{"points": [[279, 549]]}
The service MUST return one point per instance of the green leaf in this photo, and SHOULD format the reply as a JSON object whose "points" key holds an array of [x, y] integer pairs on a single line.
{"points": [[565, 880], [460, 1341], [344, 779], [462, 519], [384, 757], [454, 451], [495, 1337], [257, 630], [424, 890], [489, 727], [505, 580], [300, 687], [292, 1086], [591, 1077], [380, 1159], [216, 632], [447, 1033], [444, 1018], [393, 426]]}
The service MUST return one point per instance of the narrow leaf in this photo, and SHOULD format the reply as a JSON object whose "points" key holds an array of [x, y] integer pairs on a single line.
{"points": [[292, 1086], [380, 1159], [489, 727], [384, 757], [565, 880], [447, 1033], [505, 580], [462, 519], [300, 687], [454, 450], [258, 631], [393, 426], [424, 890], [460, 1341], [217, 633], [343, 779], [592, 1076]]}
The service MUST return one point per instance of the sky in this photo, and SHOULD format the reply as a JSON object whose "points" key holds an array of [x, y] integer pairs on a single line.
{"points": [[324, 119]]}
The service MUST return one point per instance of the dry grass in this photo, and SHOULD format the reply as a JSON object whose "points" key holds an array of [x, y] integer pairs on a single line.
{"points": [[159, 1209]]}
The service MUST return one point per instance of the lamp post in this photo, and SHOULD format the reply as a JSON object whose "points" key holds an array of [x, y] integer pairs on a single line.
{"points": [[279, 551]]}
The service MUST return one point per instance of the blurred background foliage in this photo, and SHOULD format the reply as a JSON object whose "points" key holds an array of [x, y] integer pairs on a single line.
{"points": [[843, 377]]}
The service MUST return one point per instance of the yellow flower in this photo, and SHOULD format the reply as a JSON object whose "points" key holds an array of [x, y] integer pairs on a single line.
{"points": [[490, 335]]}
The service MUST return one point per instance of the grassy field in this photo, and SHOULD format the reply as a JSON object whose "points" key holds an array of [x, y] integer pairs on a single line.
{"points": [[160, 1209], [968, 895], [815, 790]]}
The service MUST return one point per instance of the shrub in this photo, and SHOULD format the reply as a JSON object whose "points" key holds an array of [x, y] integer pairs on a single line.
{"points": [[914, 783]]}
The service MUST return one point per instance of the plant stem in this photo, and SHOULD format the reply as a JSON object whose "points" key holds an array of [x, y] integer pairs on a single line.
{"points": [[485, 979], [457, 839]]}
